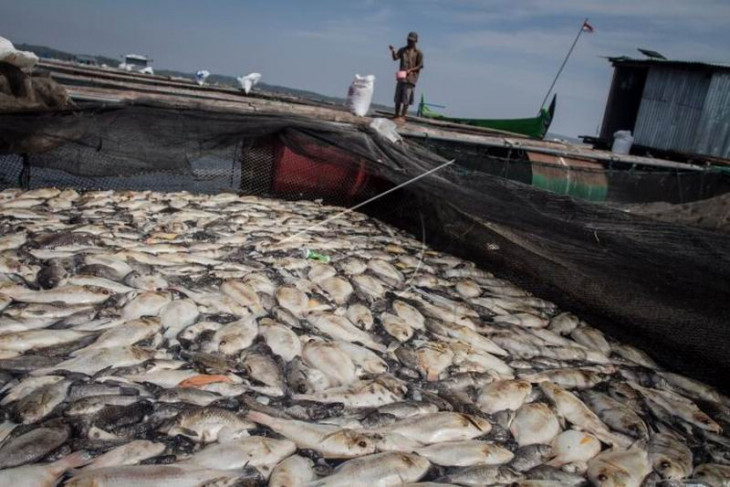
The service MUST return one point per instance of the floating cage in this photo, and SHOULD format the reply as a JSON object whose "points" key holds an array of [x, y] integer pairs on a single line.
{"points": [[660, 286]]}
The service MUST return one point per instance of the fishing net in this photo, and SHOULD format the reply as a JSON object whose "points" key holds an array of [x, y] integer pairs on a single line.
{"points": [[663, 287]]}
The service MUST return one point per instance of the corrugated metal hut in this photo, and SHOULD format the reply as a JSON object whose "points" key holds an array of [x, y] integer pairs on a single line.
{"points": [[679, 107]]}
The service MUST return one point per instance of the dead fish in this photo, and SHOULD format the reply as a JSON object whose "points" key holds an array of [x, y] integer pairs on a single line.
{"points": [[530, 456], [158, 476], [337, 289], [294, 471], [130, 453], [616, 415], [264, 369], [254, 451], [715, 475], [41, 402], [591, 338], [376, 392], [466, 453], [669, 457], [396, 327], [569, 378], [482, 475], [331, 360], [293, 300], [280, 339], [145, 304], [188, 395], [177, 315], [360, 316], [573, 447], [92, 361], [127, 333], [340, 328], [679, 406], [45, 475], [209, 424], [32, 445], [573, 409], [23, 341], [564, 323], [235, 336], [431, 358], [388, 469], [504, 394], [303, 379], [329, 441], [440, 427], [626, 468], [68, 295], [534, 423], [369, 287]]}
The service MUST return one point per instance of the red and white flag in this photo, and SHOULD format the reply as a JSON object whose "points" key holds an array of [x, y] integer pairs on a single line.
{"points": [[587, 27]]}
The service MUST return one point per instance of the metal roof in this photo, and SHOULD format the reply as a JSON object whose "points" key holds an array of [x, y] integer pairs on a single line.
{"points": [[136, 56], [627, 61]]}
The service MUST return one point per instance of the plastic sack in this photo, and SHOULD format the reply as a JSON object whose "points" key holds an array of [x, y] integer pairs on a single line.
{"points": [[360, 94], [386, 128], [249, 81], [201, 76], [622, 141], [20, 59]]}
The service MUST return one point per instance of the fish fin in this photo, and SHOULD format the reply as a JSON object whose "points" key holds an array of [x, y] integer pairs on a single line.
{"points": [[259, 417], [187, 431], [72, 462]]}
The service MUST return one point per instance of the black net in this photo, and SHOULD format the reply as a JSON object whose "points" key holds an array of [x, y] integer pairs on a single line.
{"points": [[663, 287]]}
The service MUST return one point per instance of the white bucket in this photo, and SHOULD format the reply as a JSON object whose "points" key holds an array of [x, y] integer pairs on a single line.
{"points": [[622, 141]]}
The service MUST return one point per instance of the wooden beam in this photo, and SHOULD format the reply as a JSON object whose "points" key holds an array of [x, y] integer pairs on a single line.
{"points": [[542, 147]]}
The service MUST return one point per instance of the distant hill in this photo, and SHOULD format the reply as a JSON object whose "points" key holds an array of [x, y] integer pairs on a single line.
{"points": [[213, 79], [49, 52]]}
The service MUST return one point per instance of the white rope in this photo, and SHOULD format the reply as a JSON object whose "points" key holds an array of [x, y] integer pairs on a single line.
{"points": [[359, 205]]}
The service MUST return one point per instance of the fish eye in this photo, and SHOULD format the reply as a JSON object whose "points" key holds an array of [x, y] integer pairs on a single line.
{"points": [[665, 465], [362, 443], [602, 477]]}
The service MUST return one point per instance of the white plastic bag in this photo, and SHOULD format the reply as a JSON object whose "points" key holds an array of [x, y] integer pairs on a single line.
{"points": [[249, 81], [386, 128], [360, 94], [201, 76], [622, 141], [21, 59]]}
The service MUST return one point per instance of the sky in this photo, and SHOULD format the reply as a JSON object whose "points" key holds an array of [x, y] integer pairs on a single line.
{"points": [[483, 58]]}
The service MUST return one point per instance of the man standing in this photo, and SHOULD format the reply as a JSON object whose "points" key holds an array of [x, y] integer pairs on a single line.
{"points": [[411, 62]]}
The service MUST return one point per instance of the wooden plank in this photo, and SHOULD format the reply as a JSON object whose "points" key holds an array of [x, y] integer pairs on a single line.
{"points": [[541, 147], [126, 88], [244, 105], [154, 80]]}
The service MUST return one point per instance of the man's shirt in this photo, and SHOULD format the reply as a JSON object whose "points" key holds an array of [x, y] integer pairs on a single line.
{"points": [[410, 58]]}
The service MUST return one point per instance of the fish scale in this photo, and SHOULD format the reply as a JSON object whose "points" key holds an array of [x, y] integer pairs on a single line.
{"points": [[192, 329]]}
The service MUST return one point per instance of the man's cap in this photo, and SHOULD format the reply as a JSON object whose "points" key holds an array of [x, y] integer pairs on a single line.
{"points": [[413, 36]]}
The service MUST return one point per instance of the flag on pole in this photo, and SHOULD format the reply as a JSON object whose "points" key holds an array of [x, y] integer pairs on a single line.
{"points": [[587, 27]]}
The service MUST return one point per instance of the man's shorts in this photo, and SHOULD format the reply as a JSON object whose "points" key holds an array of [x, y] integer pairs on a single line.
{"points": [[404, 93]]}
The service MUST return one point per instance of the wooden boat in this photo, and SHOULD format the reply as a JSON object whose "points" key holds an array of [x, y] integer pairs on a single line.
{"points": [[535, 127], [574, 170]]}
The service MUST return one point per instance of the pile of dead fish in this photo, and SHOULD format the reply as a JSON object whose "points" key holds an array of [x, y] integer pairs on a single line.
{"points": [[184, 340]]}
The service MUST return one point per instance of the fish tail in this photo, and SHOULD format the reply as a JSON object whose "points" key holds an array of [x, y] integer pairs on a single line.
{"points": [[72, 461]]}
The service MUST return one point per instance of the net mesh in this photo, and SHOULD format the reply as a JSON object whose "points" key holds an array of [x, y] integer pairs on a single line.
{"points": [[661, 286]]}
